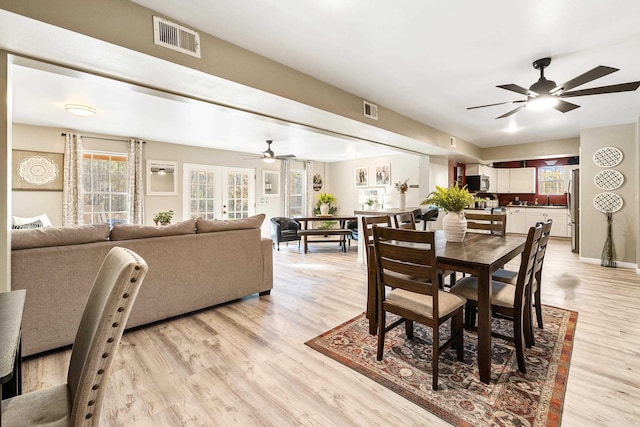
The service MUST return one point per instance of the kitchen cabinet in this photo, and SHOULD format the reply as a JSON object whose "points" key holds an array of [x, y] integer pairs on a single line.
{"points": [[516, 220], [502, 178], [558, 216], [522, 180]]}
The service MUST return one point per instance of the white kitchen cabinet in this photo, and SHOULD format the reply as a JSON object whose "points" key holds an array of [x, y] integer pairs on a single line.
{"points": [[493, 179], [522, 180], [558, 216], [502, 180], [516, 220]]}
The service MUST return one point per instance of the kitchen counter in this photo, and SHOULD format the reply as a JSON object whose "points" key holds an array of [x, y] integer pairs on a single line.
{"points": [[537, 206]]}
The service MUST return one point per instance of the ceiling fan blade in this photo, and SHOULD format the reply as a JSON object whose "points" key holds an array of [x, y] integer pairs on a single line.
{"points": [[493, 105], [515, 88], [596, 73], [286, 157], [622, 87], [564, 106], [515, 110]]}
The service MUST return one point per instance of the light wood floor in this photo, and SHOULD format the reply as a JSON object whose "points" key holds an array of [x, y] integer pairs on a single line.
{"points": [[245, 363]]}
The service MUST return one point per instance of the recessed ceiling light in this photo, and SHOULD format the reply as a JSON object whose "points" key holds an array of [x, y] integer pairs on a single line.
{"points": [[80, 110]]}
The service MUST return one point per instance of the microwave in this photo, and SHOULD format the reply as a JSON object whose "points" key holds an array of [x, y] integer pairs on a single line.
{"points": [[477, 183]]}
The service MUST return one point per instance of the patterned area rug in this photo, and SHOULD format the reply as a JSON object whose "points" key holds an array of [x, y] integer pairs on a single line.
{"points": [[511, 399]]}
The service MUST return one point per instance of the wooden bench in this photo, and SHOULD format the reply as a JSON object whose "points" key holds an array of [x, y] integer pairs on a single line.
{"points": [[342, 233]]}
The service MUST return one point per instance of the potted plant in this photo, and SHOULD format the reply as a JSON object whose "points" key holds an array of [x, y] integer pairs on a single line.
{"points": [[370, 203], [453, 200], [402, 187], [163, 217], [326, 204]]}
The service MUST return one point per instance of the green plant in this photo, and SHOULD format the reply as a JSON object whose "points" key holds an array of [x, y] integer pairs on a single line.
{"points": [[452, 199], [370, 202], [163, 217], [330, 200]]}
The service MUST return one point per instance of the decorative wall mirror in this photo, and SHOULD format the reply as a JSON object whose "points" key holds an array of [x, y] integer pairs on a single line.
{"points": [[162, 178], [270, 183]]}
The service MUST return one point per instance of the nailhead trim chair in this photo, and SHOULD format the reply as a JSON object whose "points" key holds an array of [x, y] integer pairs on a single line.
{"points": [[79, 401]]}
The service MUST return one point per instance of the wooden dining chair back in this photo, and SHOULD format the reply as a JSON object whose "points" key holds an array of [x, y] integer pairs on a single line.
{"points": [[405, 220], [511, 277], [408, 287], [105, 315], [489, 223], [507, 301], [367, 244]]}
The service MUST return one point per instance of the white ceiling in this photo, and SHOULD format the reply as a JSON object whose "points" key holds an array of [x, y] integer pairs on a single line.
{"points": [[428, 60]]}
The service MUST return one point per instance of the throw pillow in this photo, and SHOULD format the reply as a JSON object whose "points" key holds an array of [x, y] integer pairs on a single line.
{"points": [[35, 224], [43, 218], [213, 225], [137, 231]]}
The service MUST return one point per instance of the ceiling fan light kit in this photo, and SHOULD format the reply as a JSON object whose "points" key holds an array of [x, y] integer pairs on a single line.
{"points": [[545, 94], [268, 156]]}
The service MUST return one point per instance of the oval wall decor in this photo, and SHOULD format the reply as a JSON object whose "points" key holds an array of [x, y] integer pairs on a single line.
{"points": [[608, 202], [608, 179], [607, 157]]}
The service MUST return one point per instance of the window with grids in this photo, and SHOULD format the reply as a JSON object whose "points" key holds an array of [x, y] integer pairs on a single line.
{"points": [[238, 194], [296, 192], [551, 180], [106, 187], [203, 191]]}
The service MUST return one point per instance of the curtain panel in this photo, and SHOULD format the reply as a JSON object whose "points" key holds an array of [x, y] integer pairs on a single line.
{"points": [[72, 189], [309, 188], [135, 179]]}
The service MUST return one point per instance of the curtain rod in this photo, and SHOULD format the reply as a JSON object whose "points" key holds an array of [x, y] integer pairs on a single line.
{"points": [[104, 139]]}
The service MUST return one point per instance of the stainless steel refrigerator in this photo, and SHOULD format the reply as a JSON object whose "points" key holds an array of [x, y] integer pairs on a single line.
{"points": [[573, 196]]}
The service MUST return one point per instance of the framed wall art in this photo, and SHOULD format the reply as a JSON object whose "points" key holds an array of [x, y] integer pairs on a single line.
{"points": [[383, 174], [36, 171], [362, 177]]}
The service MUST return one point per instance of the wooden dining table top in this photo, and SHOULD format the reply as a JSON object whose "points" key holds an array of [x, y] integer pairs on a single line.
{"points": [[477, 249]]}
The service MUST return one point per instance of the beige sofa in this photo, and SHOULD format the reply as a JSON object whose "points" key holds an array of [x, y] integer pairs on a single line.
{"points": [[192, 265]]}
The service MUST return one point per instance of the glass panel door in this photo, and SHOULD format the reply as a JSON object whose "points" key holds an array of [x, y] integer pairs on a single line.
{"points": [[239, 194]]}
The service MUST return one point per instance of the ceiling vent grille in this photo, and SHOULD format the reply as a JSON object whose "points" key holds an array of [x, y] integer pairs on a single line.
{"points": [[370, 110], [176, 37]]}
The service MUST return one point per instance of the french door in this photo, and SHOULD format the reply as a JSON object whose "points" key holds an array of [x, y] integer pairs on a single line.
{"points": [[218, 192]]}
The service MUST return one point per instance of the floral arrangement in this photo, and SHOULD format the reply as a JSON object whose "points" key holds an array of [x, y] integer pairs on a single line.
{"points": [[402, 187], [452, 199], [163, 217]]}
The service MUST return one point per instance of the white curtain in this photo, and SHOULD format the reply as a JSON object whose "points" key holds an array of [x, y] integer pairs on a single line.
{"points": [[286, 187], [72, 190], [135, 180], [308, 195]]}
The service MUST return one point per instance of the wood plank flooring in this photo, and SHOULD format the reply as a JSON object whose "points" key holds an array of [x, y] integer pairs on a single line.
{"points": [[245, 363]]}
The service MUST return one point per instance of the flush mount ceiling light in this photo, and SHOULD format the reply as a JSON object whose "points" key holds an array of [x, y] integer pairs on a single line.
{"points": [[80, 110]]}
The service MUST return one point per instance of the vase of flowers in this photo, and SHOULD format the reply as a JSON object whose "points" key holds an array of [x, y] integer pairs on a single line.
{"points": [[453, 200], [402, 187]]}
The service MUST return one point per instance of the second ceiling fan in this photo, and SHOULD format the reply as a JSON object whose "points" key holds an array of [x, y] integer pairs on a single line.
{"points": [[269, 156], [545, 93]]}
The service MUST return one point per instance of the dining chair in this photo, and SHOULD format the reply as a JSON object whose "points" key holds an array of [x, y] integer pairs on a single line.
{"points": [[78, 402], [431, 215], [405, 220], [511, 277], [406, 263], [491, 223], [367, 230], [507, 301]]}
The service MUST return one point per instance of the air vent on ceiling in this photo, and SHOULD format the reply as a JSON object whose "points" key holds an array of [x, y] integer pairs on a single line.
{"points": [[452, 142], [176, 37], [370, 110]]}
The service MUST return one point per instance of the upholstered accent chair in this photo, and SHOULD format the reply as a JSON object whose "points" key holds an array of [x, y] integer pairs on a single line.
{"points": [[284, 229], [78, 402]]}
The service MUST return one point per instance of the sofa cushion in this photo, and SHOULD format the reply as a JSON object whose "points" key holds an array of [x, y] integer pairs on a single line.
{"points": [[214, 225], [46, 222], [137, 231], [34, 224], [59, 236]]}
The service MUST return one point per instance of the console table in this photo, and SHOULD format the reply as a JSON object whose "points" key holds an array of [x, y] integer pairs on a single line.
{"points": [[11, 308], [342, 232]]}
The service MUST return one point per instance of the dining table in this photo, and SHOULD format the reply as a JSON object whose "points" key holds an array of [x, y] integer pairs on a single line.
{"points": [[479, 255]]}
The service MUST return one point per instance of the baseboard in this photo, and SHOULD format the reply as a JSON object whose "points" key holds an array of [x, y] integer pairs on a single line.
{"points": [[618, 263]]}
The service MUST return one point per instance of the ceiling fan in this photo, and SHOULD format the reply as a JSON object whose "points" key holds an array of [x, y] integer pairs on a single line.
{"points": [[269, 156], [545, 93]]}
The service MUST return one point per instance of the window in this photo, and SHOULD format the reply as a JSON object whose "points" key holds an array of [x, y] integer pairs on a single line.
{"points": [[106, 187], [296, 192], [203, 190], [551, 180]]}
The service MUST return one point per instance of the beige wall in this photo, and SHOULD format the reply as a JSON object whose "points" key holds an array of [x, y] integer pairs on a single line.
{"points": [[593, 222], [533, 150]]}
